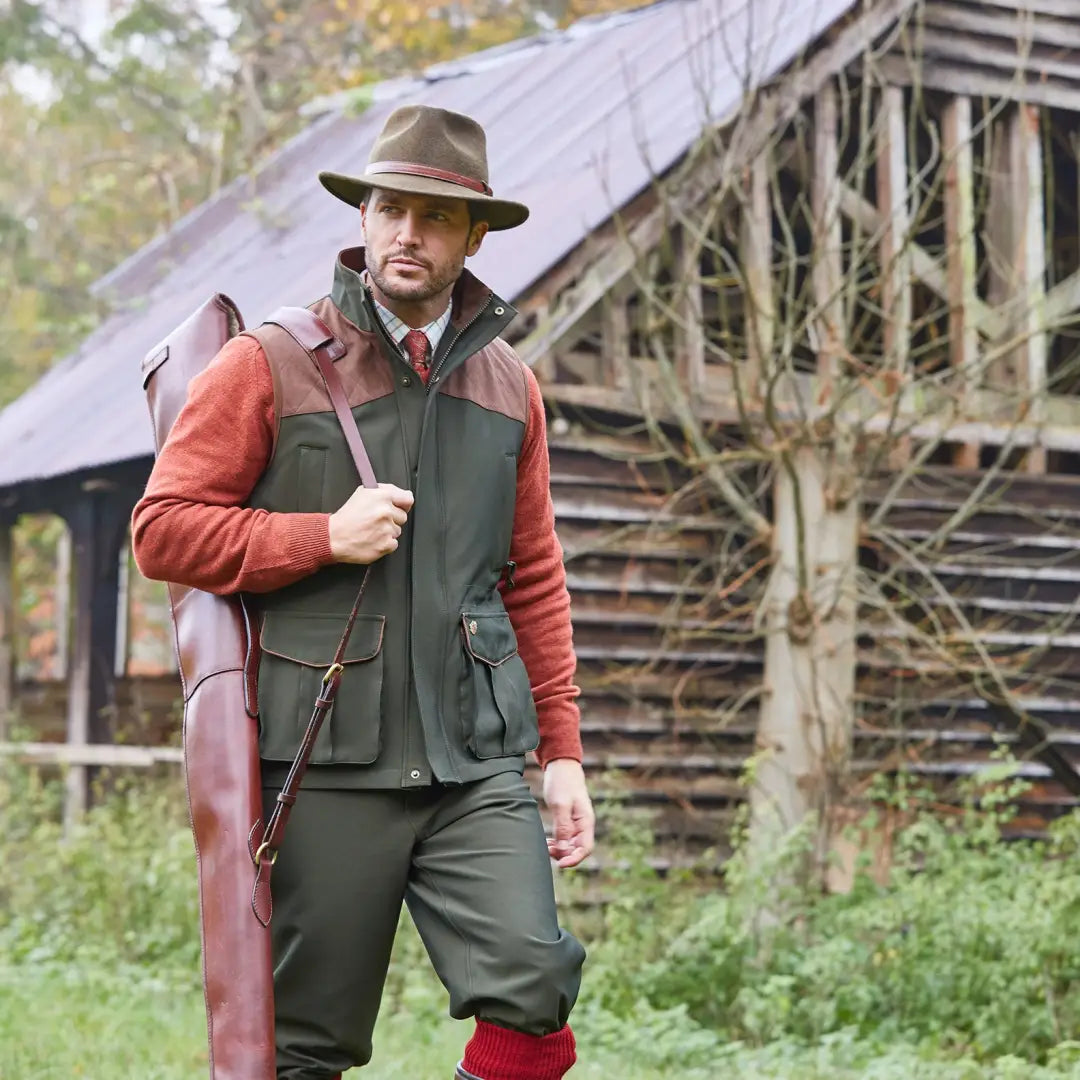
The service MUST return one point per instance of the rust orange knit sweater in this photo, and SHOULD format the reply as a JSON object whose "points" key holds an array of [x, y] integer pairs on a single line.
{"points": [[192, 525]]}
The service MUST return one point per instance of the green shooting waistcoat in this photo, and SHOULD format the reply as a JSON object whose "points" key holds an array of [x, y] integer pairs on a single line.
{"points": [[433, 684]]}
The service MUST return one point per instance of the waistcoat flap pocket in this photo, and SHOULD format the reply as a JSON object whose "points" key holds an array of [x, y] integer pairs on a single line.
{"points": [[489, 636], [498, 712], [312, 639], [297, 648]]}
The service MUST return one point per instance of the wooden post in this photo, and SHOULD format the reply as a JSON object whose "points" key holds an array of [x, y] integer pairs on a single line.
{"points": [[690, 333], [1017, 258], [63, 603], [7, 627], [123, 608], [1028, 161], [755, 243], [615, 337], [98, 524], [828, 268], [807, 704], [960, 256], [893, 203]]}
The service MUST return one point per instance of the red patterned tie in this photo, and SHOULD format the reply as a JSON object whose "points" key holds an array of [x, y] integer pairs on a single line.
{"points": [[416, 345]]}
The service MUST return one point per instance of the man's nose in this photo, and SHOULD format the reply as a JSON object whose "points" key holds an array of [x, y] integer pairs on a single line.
{"points": [[408, 234]]}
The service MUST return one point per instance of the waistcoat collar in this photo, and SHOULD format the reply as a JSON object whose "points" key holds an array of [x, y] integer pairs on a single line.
{"points": [[349, 294]]}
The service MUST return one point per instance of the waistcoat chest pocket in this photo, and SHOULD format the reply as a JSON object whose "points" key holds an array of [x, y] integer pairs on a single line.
{"points": [[497, 709], [297, 648]]}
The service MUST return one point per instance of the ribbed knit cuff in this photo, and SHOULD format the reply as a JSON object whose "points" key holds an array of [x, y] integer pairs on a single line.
{"points": [[308, 540], [497, 1053]]}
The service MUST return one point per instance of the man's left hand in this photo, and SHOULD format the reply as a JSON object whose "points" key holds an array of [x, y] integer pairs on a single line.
{"points": [[571, 809]]}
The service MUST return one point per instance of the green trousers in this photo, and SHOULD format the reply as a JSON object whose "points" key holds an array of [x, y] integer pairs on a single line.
{"points": [[471, 862]]}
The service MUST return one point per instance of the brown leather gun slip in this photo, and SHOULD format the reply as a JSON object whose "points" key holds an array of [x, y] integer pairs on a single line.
{"points": [[218, 652]]}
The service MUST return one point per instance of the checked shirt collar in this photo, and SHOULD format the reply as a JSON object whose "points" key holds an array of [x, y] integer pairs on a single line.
{"points": [[397, 329]]}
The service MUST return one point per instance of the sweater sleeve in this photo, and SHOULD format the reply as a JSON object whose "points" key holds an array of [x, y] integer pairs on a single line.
{"points": [[192, 526], [539, 604]]}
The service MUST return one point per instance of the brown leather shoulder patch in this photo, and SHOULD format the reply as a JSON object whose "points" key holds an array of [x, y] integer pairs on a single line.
{"points": [[297, 382], [494, 379]]}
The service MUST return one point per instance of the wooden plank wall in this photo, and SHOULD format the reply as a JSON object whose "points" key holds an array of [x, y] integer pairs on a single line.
{"points": [[1027, 50]]}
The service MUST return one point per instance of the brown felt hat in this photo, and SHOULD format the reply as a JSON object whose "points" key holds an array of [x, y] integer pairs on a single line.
{"points": [[427, 151]]}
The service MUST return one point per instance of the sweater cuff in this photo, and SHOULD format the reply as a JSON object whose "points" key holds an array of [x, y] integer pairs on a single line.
{"points": [[560, 736], [308, 542]]}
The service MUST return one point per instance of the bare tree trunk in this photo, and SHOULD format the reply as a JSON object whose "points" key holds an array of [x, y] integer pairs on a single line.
{"points": [[809, 615]]}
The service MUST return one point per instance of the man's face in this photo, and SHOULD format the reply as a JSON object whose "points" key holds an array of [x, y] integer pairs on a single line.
{"points": [[417, 244]]}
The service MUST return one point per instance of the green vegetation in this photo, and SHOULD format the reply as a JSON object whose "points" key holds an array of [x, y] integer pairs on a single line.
{"points": [[967, 964]]}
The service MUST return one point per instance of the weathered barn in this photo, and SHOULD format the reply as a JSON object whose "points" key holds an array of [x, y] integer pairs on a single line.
{"points": [[756, 224]]}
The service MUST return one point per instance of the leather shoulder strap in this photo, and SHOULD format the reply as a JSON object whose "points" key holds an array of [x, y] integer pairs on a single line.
{"points": [[319, 342], [310, 332]]}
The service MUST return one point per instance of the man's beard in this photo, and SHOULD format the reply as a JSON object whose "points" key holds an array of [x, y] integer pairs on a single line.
{"points": [[438, 279]]}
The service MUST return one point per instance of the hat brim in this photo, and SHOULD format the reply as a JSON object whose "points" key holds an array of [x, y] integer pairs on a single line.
{"points": [[498, 213]]}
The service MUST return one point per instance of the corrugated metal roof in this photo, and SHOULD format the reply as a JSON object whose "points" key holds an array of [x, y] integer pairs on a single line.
{"points": [[578, 121]]}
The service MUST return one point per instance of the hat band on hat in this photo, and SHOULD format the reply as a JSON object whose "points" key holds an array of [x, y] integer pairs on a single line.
{"points": [[412, 169]]}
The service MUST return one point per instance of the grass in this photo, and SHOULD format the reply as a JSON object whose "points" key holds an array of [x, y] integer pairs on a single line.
{"points": [[59, 1024], [965, 966]]}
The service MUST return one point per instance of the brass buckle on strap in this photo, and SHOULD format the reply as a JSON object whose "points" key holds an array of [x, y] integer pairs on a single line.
{"points": [[331, 671], [262, 849]]}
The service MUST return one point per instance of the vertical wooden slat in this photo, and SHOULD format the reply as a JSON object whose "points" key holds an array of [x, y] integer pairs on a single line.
{"points": [[81, 524], [1031, 214], [98, 526], [893, 203], [63, 603], [755, 243], [7, 626], [123, 610], [690, 333], [1016, 250], [615, 337], [828, 240], [960, 256]]}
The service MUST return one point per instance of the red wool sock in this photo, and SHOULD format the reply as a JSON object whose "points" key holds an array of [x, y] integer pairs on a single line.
{"points": [[496, 1053]]}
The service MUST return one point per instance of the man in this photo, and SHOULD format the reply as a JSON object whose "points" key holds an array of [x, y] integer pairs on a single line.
{"points": [[461, 660]]}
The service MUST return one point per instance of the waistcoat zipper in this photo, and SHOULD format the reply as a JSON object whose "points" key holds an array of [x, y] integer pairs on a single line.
{"points": [[457, 337]]}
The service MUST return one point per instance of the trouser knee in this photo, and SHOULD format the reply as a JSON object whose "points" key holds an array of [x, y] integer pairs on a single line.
{"points": [[535, 996]]}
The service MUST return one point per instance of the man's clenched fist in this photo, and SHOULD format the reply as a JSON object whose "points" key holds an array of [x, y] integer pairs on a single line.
{"points": [[367, 527]]}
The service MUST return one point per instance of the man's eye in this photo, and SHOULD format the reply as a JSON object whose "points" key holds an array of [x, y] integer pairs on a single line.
{"points": [[436, 216]]}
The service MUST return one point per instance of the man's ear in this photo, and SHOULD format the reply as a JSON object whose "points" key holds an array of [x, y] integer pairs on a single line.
{"points": [[476, 237], [363, 219]]}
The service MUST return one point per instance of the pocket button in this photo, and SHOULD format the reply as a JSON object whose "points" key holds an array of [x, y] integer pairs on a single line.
{"points": [[473, 627]]}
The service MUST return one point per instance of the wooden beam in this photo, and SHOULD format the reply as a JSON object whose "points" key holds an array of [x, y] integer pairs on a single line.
{"points": [[704, 174], [1015, 26], [92, 755], [960, 259], [97, 521], [615, 337], [1061, 9], [1062, 301], [924, 266], [690, 328], [893, 204], [63, 603], [894, 248], [755, 247], [1008, 59], [954, 78], [828, 269], [1028, 159], [7, 625]]}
